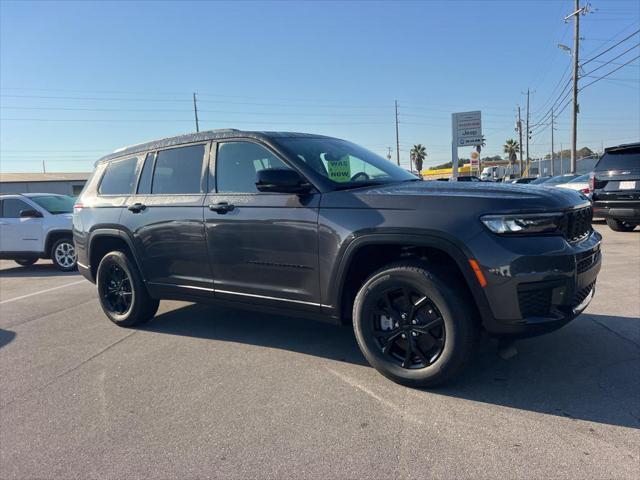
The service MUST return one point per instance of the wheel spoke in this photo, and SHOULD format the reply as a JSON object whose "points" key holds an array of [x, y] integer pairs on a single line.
{"points": [[428, 326], [406, 363], [419, 353], [417, 306], [390, 340]]}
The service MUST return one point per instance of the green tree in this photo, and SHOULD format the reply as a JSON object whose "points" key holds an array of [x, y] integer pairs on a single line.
{"points": [[511, 148], [418, 154]]}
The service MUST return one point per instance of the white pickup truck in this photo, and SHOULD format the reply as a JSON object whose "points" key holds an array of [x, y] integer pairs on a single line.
{"points": [[37, 225]]}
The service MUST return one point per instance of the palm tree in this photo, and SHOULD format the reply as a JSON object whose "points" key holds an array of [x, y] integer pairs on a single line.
{"points": [[418, 154], [511, 148], [482, 144]]}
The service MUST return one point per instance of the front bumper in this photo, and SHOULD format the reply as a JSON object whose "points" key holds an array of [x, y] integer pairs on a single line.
{"points": [[544, 283]]}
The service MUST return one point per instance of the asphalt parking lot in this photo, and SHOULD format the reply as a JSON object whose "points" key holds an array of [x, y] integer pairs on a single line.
{"points": [[208, 392]]}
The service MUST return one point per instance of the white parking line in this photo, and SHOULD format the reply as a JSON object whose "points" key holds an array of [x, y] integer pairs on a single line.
{"points": [[42, 291]]}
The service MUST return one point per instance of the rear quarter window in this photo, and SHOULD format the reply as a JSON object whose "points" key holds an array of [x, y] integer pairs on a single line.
{"points": [[119, 178]]}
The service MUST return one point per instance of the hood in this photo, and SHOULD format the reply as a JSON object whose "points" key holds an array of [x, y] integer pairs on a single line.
{"points": [[487, 196]]}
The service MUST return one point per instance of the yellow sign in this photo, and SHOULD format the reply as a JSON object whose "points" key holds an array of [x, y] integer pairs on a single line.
{"points": [[339, 170]]}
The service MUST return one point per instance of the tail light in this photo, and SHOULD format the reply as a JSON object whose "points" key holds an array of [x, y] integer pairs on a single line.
{"points": [[585, 190], [77, 207], [592, 182]]}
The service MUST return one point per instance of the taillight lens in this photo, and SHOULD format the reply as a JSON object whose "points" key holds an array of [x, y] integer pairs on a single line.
{"points": [[77, 207], [585, 190], [592, 182]]}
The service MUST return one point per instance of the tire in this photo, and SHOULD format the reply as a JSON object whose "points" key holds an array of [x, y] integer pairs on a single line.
{"points": [[620, 225], [445, 345], [123, 295], [26, 262], [63, 254]]}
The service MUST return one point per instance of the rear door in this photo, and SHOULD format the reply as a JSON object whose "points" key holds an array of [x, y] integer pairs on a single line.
{"points": [[19, 234], [165, 219], [263, 247]]}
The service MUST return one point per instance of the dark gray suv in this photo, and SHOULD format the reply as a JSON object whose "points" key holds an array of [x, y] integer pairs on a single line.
{"points": [[316, 226]]}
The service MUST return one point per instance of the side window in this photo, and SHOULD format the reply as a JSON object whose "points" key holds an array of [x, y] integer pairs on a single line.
{"points": [[144, 186], [11, 207], [120, 177], [237, 164], [178, 170]]}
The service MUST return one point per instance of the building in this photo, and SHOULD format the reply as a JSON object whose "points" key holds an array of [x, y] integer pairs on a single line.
{"points": [[62, 183]]}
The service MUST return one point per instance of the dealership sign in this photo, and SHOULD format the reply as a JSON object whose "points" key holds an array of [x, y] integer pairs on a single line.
{"points": [[467, 128]]}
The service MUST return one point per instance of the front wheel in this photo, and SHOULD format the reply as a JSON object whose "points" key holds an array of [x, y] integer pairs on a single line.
{"points": [[412, 326], [620, 225], [63, 254], [123, 295]]}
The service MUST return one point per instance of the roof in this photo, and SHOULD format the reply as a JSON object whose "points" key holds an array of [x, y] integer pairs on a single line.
{"points": [[623, 147], [44, 177], [226, 133]]}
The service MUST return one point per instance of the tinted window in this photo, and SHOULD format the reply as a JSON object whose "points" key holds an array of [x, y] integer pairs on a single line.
{"points": [[144, 186], [238, 163], [178, 170], [622, 160], [120, 177], [11, 207], [55, 204]]}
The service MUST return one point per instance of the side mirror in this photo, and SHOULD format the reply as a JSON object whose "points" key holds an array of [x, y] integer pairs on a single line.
{"points": [[281, 180], [30, 213]]}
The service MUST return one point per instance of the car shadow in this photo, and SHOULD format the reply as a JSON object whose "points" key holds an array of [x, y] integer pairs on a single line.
{"points": [[584, 371], [36, 270], [6, 336]]}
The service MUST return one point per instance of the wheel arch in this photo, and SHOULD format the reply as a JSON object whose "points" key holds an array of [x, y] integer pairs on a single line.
{"points": [[103, 240], [340, 295], [52, 237]]}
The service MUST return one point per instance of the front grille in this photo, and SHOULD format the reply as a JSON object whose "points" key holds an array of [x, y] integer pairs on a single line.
{"points": [[577, 224], [534, 303], [584, 261], [582, 294]]}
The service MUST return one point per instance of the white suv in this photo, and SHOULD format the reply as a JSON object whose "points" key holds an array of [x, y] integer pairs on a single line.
{"points": [[37, 225]]}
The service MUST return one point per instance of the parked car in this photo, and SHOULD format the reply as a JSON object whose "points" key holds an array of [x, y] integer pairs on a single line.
{"points": [[615, 186], [580, 184], [37, 225], [560, 179], [468, 178], [524, 180], [317, 226]]}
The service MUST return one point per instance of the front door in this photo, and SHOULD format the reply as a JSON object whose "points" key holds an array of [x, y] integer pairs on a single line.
{"points": [[263, 247], [19, 234]]}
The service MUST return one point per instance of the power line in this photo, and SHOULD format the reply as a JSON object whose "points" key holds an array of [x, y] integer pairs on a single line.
{"points": [[609, 73], [610, 48], [614, 58]]}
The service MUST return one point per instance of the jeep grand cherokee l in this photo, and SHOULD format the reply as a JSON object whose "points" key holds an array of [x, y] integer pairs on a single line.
{"points": [[320, 227]]}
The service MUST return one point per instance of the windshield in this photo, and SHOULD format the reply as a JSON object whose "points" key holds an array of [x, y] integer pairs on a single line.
{"points": [[559, 180], [55, 204], [345, 164], [540, 180], [621, 160]]}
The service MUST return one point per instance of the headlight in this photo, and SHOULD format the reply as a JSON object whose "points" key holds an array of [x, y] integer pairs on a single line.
{"points": [[524, 223]]}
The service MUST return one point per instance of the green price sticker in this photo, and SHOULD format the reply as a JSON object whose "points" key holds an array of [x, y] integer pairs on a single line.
{"points": [[339, 170]]}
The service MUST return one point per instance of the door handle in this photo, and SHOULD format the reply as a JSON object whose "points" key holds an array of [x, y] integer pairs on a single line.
{"points": [[136, 207], [221, 207]]}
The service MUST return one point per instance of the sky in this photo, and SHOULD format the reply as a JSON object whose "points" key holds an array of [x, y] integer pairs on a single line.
{"points": [[80, 79]]}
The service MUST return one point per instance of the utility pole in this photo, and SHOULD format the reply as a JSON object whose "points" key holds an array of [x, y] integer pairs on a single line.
{"points": [[528, 133], [561, 160], [195, 111], [397, 137], [576, 51], [44, 167], [520, 135], [553, 171]]}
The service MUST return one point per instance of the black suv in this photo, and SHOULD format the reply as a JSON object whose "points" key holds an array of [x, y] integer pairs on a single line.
{"points": [[316, 226], [615, 183]]}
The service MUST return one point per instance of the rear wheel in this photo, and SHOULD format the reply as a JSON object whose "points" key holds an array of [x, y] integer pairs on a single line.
{"points": [[412, 326], [620, 225], [63, 254], [123, 295], [26, 262]]}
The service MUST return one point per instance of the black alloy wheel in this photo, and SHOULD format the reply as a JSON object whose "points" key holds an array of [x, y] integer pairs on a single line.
{"points": [[117, 293], [408, 327]]}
